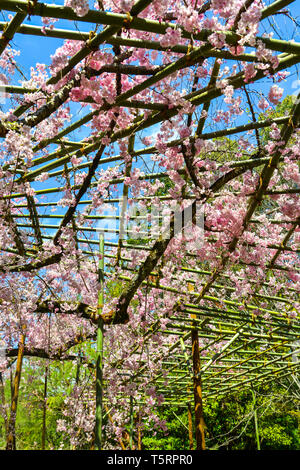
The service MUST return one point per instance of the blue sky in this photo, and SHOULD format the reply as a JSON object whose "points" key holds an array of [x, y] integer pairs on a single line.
{"points": [[39, 49]]}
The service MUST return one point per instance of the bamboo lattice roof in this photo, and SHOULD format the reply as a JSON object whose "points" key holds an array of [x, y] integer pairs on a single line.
{"points": [[242, 343]]}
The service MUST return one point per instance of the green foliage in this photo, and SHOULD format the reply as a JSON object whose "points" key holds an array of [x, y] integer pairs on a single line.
{"points": [[177, 435], [230, 423], [30, 404], [225, 151]]}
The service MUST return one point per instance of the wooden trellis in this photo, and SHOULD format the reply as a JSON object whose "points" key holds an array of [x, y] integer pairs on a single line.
{"points": [[251, 352]]}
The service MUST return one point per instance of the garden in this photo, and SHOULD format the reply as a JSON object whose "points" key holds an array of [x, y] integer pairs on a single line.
{"points": [[150, 225]]}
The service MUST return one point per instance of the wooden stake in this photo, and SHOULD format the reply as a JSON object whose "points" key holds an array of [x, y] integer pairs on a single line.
{"points": [[139, 441], [46, 389], [199, 420], [191, 439], [99, 358], [45, 407], [255, 421], [131, 424], [11, 439], [112, 422], [2, 392]]}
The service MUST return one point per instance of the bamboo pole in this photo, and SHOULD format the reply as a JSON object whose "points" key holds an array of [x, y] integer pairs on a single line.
{"points": [[128, 166], [197, 388], [99, 357], [139, 434], [46, 388], [11, 437], [45, 406], [142, 24], [112, 422], [191, 439], [255, 420], [10, 30], [131, 424], [137, 43], [3, 405]]}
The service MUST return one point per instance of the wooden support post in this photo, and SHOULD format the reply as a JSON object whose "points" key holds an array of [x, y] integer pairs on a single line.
{"points": [[99, 357], [45, 407], [46, 389], [11, 438], [191, 439], [79, 361], [199, 420], [131, 424], [255, 421], [112, 422], [2, 393], [128, 166], [139, 437]]}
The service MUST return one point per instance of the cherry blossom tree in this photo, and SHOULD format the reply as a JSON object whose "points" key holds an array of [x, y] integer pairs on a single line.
{"points": [[175, 97]]}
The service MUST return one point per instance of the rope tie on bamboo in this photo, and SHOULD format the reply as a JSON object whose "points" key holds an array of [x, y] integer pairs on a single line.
{"points": [[270, 162], [89, 42], [190, 48], [291, 122], [127, 21], [83, 149], [39, 145], [5, 27], [92, 34], [189, 51], [31, 4], [5, 39]]}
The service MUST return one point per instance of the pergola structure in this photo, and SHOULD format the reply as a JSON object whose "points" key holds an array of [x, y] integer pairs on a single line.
{"points": [[216, 340]]}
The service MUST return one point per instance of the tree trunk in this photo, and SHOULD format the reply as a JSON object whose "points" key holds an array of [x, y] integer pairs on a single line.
{"points": [[199, 420], [11, 438]]}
